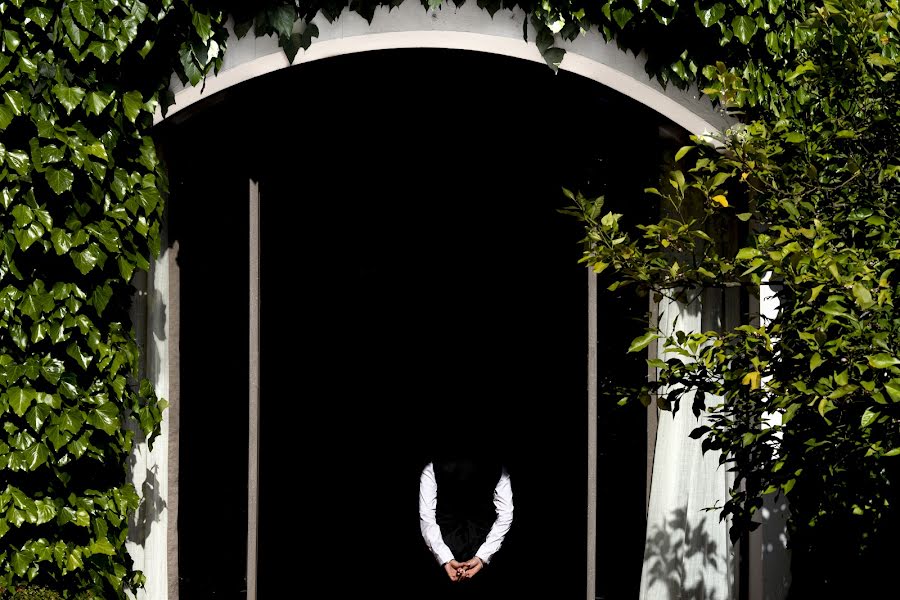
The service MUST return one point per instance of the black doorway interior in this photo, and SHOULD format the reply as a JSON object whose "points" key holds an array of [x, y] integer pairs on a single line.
{"points": [[415, 272]]}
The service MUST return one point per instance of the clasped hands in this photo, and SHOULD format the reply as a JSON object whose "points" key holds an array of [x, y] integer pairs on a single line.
{"points": [[460, 571]]}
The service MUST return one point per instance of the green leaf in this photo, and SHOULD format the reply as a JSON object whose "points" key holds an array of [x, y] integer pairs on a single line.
{"points": [[16, 102], [281, 18], [882, 361], [59, 180], [892, 387], [132, 103], [39, 15], [23, 215], [105, 417], [554, 57], [642, 341], [74, 560], [815, 361], [102, 546], [202, 25], [862, 295], [191, 71], [96, 102], [20, 399], [101, 297], [35, 455], [37, 416], [62, 241], [19, 161], [6, 116], [833, 309], [69, 97], [102, 50], [744, 28], [83, 11], [747, 253], [869, 417], [710, 16], [82, 359], [71, 420], [682, 151], [86, 260], [20, 561], [621, 16]]}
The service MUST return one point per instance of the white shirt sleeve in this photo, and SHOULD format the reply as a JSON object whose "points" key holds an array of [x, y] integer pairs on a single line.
{"points": [[503, 503], [431, 531]]}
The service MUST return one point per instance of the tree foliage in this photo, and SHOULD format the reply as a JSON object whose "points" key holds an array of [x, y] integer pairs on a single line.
{"points": [[807, 401]]}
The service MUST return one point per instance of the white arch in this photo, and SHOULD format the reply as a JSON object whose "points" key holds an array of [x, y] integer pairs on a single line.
{"points": [[464, 28]]}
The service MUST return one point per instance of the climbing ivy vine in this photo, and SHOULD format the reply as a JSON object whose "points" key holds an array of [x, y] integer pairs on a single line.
{"points": [[814, 170]]}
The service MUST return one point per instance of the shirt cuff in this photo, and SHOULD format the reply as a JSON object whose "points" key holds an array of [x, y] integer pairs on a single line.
{"points": [[483, 559], [445, 556]]}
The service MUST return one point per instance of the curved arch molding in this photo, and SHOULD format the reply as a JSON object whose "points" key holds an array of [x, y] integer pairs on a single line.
{"points": [[462, 28]]}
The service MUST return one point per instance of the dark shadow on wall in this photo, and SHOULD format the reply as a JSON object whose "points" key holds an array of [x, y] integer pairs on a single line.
{"points": [[672, 545]]}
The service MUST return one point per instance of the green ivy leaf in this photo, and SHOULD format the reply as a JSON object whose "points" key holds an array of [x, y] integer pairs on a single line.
{"points": [[29, 235], [62, 241], [74, 560], [69, 97], [59, 180], [82, 359], [281, 18], [34, 456], [71, 420], [23, 215], [202, 25], [744, 28], [191, 70], [621, 16], [21, 561], [16, 102], [710, 16], [96, 102], [554, 57], [132, 103], [6, 116], [101, 297], [83, 11], [105, 417], [79, 446], [87, 259], [102, 546], [19, 161], [20, 399], [40, 15], [102, 50], [37, 416]]}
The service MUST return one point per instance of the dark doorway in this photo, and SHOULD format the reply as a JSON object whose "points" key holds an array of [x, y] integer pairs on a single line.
{"points": [[415, 271]]}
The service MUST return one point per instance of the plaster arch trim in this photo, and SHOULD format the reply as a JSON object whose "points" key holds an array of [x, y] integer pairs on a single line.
{"points": [[460, 28]]}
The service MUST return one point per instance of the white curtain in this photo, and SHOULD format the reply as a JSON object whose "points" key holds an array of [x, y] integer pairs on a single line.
{"points": [[687, 552]]}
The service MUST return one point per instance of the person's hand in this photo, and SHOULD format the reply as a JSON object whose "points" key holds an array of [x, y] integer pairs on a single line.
{"points": [[454, 570], [471, 567]]}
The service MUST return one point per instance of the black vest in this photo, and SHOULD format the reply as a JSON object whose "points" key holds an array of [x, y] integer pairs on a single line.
{"points": [[465, 503]]}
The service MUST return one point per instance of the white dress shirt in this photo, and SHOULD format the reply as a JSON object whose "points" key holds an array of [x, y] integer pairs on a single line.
{"points": [[431, 531]]}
